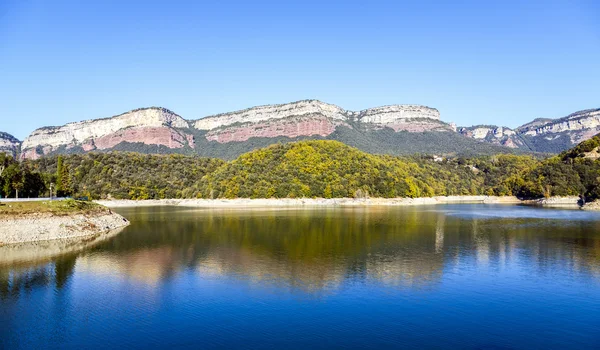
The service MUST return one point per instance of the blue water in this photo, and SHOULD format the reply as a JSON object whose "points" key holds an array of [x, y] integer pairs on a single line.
{"points": [[459, 276]]}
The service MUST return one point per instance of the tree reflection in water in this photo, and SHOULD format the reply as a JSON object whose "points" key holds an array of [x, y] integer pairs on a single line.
{"points": [[317, 250]]}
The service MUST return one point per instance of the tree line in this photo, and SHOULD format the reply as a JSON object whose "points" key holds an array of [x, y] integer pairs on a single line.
{"points": [[324, 169]]}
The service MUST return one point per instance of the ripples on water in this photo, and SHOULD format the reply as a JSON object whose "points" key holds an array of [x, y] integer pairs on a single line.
{"points": [[462, 276]]}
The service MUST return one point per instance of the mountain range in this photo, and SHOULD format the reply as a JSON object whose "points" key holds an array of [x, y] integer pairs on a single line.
{"points": [[395, 129]]}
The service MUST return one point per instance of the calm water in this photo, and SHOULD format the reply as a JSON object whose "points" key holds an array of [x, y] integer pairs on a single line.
{"points": [[461, 276]]}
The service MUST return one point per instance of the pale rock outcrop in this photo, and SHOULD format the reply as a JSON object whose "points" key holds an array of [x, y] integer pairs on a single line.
{"points": [[578, 127], [271, 112], [9, 144], [161, 127], [391, 114], [94, 132], [312, 117], [379, 115], [587, 119], [43, 227], [482, 132], [493, 134], [306, 125]]}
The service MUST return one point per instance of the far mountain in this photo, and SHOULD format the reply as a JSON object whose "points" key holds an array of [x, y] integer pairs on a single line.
{"points": [[542, 134], [395, 129]]}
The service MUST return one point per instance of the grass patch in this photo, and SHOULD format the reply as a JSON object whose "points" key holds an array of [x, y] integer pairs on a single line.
{"points": [[64, 207]]}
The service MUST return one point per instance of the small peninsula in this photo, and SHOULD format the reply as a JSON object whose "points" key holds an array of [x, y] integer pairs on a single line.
{"points": [[47, 220]]}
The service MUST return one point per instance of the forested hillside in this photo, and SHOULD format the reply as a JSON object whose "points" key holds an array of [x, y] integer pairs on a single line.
{"points": [[574, 172], [327, 169], [125, 175], [331, 169]]}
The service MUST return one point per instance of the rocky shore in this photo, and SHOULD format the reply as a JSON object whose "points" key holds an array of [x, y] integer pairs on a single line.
{"points": [[43, 251], [592, 206], [25, 226], [556, 202], [295, 202]]}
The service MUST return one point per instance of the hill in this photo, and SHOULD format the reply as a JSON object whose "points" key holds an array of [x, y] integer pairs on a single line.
{"points": [[575, 172], [331, 169]]}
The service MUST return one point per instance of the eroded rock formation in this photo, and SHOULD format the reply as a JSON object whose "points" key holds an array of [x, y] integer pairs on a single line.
{"points": [[309, 118], [9, 144], [153, 126], [159, 126]]}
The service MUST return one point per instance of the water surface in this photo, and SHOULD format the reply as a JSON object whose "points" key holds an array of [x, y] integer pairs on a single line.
{"points": [[455, 276]]}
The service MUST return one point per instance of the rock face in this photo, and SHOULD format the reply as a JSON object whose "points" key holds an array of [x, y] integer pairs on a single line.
{"points": [[542, 135], [43, 227], [157, 129], [580, 126], [9, 144], [312, 117], [161, 127], [152, 126], [494, 134]]}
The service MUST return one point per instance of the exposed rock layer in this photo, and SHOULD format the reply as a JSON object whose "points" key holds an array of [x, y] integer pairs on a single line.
{"points": [[147, 125], [535, 135], [9, 144], [309, 118], [159, 126], [42, 227]]}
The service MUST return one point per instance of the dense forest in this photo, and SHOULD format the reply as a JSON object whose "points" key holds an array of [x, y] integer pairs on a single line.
{"points": [[325, 169]]}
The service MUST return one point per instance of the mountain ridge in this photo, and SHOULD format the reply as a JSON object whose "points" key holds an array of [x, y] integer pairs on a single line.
{"points": [[158, 129]]}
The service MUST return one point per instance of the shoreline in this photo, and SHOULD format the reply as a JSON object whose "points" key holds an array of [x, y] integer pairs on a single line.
{"points": [[39, 227], [43, 251], [570, 202]]}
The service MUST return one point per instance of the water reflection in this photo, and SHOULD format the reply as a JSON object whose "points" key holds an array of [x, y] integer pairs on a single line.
{"points": [[320, 250]]}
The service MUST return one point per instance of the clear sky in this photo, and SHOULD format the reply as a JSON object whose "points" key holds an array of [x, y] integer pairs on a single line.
{"points": [[478, 62]]}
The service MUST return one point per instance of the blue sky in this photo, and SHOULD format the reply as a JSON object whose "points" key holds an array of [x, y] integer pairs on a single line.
{"points": [[478, 62]]}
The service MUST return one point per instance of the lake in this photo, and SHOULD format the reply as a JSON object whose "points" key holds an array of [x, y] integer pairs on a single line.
{"points": [[447, 276]]}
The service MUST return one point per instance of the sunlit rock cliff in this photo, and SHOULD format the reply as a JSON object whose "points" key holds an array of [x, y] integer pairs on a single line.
{"points": [[150, 126], [168, 132], [395, 129], [542, 134], [312, 117], [9, 144]]}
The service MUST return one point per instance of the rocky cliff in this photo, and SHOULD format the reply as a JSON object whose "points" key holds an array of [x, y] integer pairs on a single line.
{"points": [[395, 129], [312, 117], [151, 126], [579, 126], [9, 144], [494, 134], [542, 134], [161, 127]]}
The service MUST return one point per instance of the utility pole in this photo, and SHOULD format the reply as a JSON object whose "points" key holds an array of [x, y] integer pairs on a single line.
{"points": [[51, 185]]}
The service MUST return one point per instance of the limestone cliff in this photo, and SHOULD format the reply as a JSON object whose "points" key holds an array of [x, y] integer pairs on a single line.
{"points": [[161, 127], [494, 134], [542, 134], [312, 117], [381, 129], [9, 144], [579, 126], [153, 126]]}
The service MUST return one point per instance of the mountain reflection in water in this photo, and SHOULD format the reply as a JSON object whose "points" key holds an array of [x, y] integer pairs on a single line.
{"points": [[456, 276], [318, 250]]}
